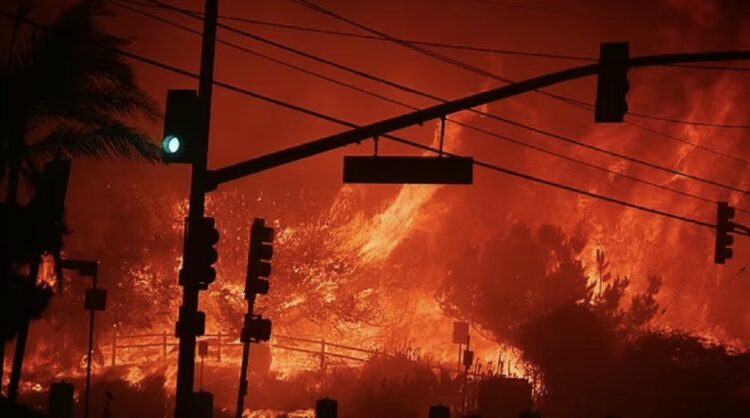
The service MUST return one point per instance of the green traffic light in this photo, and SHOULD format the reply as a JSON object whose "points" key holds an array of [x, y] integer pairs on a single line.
{"points": [[171, 144]]}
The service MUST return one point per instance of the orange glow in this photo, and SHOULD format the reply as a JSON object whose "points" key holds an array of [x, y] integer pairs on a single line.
{"points": [[361, 266]]}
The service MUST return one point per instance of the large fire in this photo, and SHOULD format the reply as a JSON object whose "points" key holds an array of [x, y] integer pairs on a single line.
{"points": [[352, 283]]}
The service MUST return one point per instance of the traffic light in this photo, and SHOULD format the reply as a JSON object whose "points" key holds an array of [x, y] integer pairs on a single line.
{"points": [[190, 323], [612, 85], [259, 259], [724, 228], [326, 408], [181, 126], [200, 254], [256, 329]]}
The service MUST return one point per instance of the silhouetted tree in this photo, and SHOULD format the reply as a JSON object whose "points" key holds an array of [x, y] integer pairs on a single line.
{"points": [[64, 90], [516, 278], [593, 352], [643, 306], [573, 349], [593, 366]]}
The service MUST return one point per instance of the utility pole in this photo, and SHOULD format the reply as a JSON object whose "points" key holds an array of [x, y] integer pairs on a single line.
{"points": [[468, 361], [95, 300], [189, 324]]}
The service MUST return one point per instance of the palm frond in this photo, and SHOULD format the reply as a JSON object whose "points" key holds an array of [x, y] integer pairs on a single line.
{"points": [[70, 81], [111, 140], [106, 100], [55, 62]]}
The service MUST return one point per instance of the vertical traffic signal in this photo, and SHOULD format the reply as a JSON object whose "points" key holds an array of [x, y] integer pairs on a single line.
{"points": [[724, 229], [255, 329], [181, 120], [200, 254], [259, 259], [612, 84]]}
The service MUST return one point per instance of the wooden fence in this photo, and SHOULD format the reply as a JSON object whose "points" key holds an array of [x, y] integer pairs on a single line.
{"points": [[321, 349]]}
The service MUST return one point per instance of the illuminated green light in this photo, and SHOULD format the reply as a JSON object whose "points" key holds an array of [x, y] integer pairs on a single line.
{"points": [[171, 144]]}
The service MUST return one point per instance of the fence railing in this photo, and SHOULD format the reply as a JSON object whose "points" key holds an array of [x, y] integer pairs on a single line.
{"points": [[321, 349]]}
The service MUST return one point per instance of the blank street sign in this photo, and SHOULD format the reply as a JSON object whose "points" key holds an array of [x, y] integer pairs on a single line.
{"points": [[408, 170], [460, 332]]}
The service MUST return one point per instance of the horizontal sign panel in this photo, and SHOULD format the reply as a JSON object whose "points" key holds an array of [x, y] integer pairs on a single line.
{"points": [[408, 170]]}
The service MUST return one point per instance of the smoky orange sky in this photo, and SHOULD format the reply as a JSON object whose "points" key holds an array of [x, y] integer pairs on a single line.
{"points": [[699, 295]]}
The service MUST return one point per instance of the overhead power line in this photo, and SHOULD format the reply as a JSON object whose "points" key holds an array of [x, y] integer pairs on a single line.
{"points": [[489, 74], [315, 7], [420, 93], [309, 112], [710, 298], [492, 167], [493, 134], [539, 180], [345, 34], [540, 9], [686, 142], [690, 122], [408, 106], [590, 107], [568, 100], [474, 48]]}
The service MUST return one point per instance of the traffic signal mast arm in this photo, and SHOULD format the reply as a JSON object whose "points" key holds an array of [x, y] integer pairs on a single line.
{"points": [[382, 128]]}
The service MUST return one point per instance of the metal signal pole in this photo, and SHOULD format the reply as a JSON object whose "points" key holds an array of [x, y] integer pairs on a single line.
{"points": [[242, 391], [187, 331], [255, 329]]}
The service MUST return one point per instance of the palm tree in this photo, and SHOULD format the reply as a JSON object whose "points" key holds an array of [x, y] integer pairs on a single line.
{"points": [[65, 92]]}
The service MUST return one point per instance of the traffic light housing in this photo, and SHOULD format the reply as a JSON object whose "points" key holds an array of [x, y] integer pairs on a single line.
{"points": [[612, 84], [724, 229], [190, 323], [256, 329], [181, 126], [259, 258], [200, 254]]}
